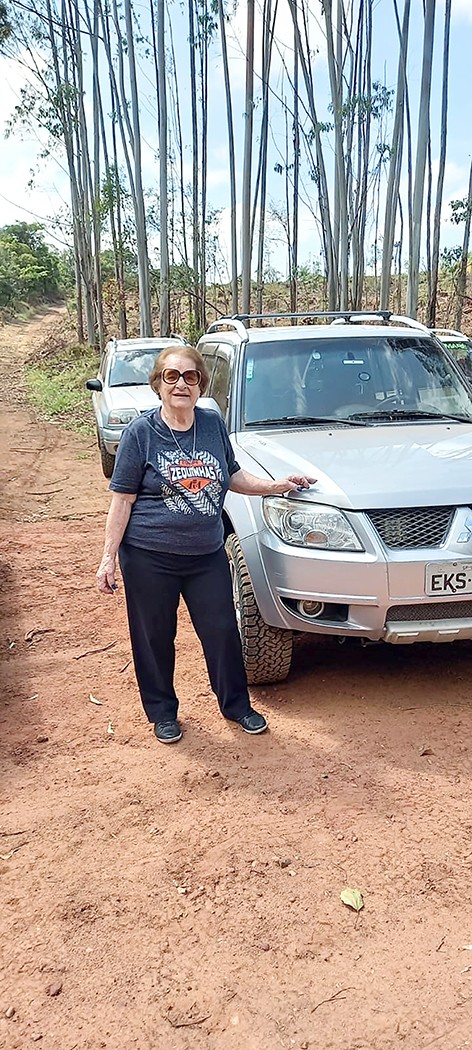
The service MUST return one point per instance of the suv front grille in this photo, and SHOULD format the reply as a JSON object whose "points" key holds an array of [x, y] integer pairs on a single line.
{"points": [[412, 526], [430, 611]]}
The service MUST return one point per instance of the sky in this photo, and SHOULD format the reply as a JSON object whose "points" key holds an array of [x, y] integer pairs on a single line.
{"points": [[47, 196]]}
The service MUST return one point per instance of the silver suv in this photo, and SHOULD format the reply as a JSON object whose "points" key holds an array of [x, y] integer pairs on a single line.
{"points": [[121, 390], [380, 547]]}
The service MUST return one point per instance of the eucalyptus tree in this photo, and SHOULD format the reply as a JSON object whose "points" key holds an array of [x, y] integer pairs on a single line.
{"points": [[90, 170], [68, 104], [163, 188], [396, 156], [260, 191], [231, 161], [421, 155], [145, 321], [335, 69], [175, 108], [247, 163], [296, 178], [109, 190], [197, 293], [364, 102], [432, 304], [298, 10]]}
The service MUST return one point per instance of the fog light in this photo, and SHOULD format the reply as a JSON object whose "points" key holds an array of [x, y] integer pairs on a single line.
{"points": [[312, 609]]}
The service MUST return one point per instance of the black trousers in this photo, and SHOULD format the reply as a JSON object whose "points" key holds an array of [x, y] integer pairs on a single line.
{"points": [[153, 584]]}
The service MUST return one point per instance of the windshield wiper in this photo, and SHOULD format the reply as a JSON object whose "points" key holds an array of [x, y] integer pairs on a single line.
{"points": [[412, 413], [114, 386], [350, 422]]}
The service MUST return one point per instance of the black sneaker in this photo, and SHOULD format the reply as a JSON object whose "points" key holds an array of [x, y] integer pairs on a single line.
{"points": [[253, 723], [168, 732]]}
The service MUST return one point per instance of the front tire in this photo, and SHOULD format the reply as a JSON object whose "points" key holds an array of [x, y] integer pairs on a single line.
{"points": [[108, 460], [267, 651]]}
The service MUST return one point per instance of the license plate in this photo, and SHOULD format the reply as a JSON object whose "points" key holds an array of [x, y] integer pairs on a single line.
{"points": [[448, 578]]}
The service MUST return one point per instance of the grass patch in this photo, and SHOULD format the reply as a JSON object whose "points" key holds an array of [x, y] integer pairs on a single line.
{"points": [[55, 383]]}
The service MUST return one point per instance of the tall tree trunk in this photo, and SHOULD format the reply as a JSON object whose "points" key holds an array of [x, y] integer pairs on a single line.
{"points": [[364, 133], [420, 167], [336, 82], [196, 170], [296, 181], [261, 179], [431, 317], [395, 161], [66, 98], [247, 163], [429, 197], [329, 247], [204, 35], [91, 181], [145, 321], [180, 147], [164, 304], [116, 190], [232, 164]]}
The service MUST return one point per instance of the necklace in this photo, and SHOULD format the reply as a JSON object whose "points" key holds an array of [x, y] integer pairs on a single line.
{"points": [[194, 430]]}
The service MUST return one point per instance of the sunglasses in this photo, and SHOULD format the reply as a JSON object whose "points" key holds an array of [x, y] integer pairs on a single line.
{"points": [[191, 376]]}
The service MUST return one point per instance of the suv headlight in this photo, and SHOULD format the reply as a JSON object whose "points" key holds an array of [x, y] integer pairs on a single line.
{"points": [[121, 416], [309, 524]]}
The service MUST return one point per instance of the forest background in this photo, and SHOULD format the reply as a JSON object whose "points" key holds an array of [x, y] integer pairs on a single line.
{"points": [[213, 158]]}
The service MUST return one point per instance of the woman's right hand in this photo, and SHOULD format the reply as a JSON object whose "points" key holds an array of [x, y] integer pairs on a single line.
{"points": [[106, 582]]}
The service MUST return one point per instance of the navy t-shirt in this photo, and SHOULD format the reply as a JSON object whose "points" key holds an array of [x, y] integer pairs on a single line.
{"points": [[180, 482]]}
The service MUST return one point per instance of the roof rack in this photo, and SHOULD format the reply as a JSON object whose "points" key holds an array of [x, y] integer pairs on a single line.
{"points": [[241, 322], [449, 331], [228, 322], [388, 318], [344, 315]]}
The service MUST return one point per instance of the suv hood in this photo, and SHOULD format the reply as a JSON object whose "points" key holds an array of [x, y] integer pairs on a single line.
{"points": [[393, 465], [138, 397]]}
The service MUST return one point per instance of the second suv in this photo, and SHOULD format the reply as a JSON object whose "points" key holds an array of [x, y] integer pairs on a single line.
{"points": [[460, 346], [380, 547], [121, 389]]}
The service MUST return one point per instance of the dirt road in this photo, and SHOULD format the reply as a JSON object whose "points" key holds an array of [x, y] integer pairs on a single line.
{"points": [[188, 898]]}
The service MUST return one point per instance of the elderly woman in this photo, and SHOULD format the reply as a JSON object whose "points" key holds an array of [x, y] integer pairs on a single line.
{"points": [[173, 469]]}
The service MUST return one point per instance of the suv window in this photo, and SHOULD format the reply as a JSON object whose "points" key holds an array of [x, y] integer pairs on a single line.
{"points": [[208, 352], [219, 386]]}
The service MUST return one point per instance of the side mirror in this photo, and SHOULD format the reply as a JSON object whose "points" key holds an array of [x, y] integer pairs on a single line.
{"points": [[94, 384]]}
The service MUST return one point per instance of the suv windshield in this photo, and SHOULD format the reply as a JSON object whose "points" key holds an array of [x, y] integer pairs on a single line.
{"points": [[344, 377], [132, 367]]}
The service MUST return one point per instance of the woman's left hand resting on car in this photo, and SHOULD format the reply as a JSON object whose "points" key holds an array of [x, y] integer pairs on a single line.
{"points": [[248, 485]]}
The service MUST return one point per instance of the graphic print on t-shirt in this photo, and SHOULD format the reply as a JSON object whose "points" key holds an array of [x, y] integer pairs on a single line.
{"points": [[193, 484]]}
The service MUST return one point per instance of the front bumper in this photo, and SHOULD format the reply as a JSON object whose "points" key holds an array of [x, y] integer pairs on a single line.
{"points": [[111, 438], [378, 594]]}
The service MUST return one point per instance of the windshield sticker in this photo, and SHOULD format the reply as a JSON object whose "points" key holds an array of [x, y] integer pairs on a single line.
{"points": [[250, 369]]}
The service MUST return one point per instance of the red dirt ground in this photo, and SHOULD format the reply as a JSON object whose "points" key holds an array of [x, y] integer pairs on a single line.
{"points": [[188, 898]]}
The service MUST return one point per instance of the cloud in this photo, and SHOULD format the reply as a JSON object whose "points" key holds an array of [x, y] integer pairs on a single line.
{"points": [[461, 9]]}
